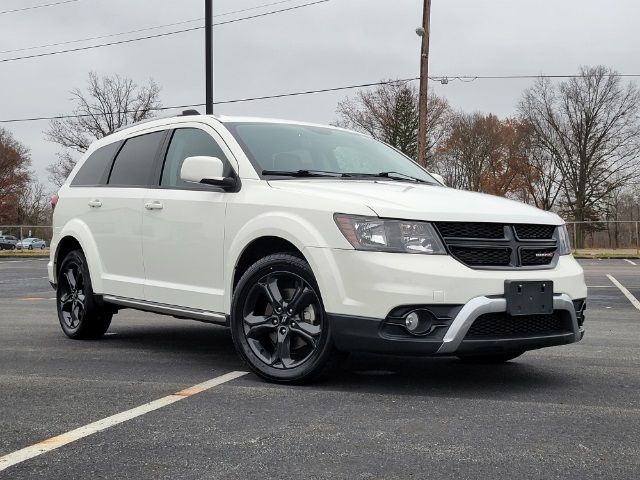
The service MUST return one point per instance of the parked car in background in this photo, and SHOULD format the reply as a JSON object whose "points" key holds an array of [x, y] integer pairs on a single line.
{"points": [[31, 243], [8, 242]]}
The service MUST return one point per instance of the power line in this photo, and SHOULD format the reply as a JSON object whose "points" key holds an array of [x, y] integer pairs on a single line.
{"points": [[158, 35], [146, 29], [223, 102], [320, 90], [512, 77], [15, 10]]}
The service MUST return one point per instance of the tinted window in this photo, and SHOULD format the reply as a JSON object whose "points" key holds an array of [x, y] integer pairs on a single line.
{"points": [[134, 164], [189, 142], [95, 169]]}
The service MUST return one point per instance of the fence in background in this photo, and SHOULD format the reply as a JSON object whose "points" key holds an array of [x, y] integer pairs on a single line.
{"points": [[616, 235], [607, 235]]}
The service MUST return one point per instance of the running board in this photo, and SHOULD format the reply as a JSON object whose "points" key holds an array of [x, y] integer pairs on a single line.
{"points": [[163, 309]]}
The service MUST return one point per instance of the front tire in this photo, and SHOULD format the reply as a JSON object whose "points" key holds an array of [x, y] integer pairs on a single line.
{"points": [[492, 358], [278, 323], [81, 314]]}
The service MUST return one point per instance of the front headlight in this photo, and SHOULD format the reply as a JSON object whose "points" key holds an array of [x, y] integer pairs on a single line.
{"points": [[386, 235], [564, 243]]}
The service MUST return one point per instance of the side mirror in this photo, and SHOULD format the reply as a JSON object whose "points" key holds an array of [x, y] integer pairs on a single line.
{"points": [[438, 177], [207, 170]]}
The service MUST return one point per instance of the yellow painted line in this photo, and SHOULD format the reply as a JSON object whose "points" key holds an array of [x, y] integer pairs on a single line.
{"points": [[634, 301], [33, 298], [58, 441]]}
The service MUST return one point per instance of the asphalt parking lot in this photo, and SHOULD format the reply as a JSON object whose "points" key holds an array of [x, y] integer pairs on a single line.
{"points": [[563, 412]]}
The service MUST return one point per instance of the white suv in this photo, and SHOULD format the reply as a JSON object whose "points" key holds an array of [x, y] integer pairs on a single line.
{"points": [[307, 241]]}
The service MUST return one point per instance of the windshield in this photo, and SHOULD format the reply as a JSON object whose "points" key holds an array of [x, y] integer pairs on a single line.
{"points": [[290, 148]]}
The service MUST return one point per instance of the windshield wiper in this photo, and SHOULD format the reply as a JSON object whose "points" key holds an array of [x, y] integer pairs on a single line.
{"points": [[390, 175], [304, 173]]}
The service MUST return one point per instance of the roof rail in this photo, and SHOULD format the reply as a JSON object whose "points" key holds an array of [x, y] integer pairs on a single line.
{"points": [[184, 113], [129, 125]]}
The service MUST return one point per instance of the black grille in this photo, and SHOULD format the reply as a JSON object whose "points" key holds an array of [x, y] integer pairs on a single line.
{"points": [[503, 325], [538, 256], [496, 245], [471, 230], [535, 232], [478, 256]]}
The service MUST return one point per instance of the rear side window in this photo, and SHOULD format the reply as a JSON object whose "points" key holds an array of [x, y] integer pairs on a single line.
{"points": [[95, 170], [134, 164], [189, 142]]}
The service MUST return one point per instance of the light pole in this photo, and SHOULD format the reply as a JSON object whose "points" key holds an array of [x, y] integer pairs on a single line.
{"points": [[208, 39], [424, 32]]}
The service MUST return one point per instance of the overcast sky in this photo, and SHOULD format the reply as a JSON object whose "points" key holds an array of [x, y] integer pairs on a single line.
{"points": [[340, 42]]}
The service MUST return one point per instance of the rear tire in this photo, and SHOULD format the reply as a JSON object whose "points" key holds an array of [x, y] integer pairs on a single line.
{"points": [[278, 322], [490, 358], [81, 314]]}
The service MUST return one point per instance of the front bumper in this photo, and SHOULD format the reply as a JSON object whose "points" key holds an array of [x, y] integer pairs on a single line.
{"points": [[371, 284], [370, 335]]}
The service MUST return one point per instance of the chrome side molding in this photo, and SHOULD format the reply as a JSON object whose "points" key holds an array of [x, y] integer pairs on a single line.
{"points": [[163, 309]]}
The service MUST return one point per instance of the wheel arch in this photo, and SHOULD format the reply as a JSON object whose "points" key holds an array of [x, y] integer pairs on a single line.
{"points": [[285, 229], [76, 235], [259, 248]]}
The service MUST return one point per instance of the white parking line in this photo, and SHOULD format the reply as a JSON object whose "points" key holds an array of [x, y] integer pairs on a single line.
{"points": [[634, 301], [73, 435], [631, 262]]}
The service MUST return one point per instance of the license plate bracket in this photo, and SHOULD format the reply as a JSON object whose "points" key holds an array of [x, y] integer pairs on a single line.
{"points": [[529, 297]]}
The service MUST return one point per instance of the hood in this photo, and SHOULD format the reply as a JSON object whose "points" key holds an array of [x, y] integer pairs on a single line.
{"points": [[391, 199]]}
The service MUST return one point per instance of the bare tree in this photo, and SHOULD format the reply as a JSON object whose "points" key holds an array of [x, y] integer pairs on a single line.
{"points": [[61, 168], [109, 103], [390, 113], [543, 184], [33, 205], [590, 127]]}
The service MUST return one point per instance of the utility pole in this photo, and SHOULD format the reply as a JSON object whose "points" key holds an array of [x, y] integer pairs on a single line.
{"points": [[424, 87], [208, 39]]}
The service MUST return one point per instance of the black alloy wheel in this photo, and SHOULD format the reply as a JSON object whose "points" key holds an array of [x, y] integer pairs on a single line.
{"points": [[72, 300], [278, 322], [82, 315], [282, 320]]}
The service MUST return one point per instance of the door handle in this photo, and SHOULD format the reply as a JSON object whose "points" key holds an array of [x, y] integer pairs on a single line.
{"points": [[95, 203], [155, 205]]}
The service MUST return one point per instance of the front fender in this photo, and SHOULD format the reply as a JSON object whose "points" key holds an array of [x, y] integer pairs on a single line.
{"points": [[295, 229]]}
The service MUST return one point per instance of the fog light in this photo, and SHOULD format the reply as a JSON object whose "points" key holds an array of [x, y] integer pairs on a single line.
{"points": [[412, 321]]}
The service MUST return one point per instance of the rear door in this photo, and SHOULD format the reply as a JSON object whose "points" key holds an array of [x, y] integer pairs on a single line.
{"points": [[183, 226], [115, 215]]}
